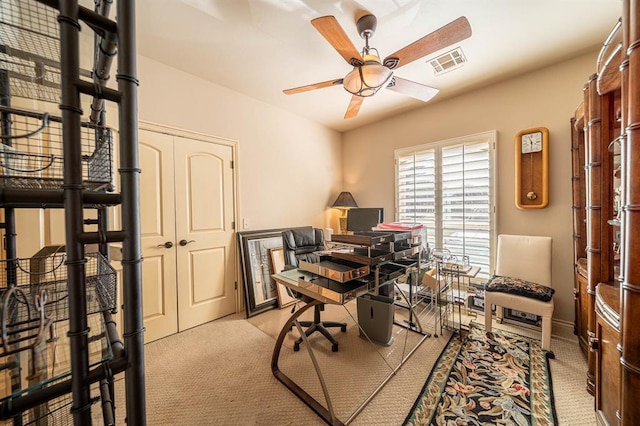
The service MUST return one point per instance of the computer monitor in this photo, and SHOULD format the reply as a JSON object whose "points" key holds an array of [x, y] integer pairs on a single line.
{"points": [[363, 219]]}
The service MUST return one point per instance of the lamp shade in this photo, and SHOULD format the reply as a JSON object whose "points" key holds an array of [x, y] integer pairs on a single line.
{"points": [[345, 200]]}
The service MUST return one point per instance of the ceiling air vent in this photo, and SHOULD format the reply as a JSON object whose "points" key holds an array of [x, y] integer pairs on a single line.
{"points": [[448, 61]]}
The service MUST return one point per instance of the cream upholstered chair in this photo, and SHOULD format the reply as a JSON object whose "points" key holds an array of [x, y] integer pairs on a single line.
{"points": [[522, 281]]}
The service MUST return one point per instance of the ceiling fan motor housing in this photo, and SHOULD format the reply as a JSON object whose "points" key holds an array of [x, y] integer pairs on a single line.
{"points": [[366, 26]]}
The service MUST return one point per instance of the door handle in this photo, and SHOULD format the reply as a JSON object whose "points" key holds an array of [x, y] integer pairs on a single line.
{"points": [[168, 244], [185, 242]]}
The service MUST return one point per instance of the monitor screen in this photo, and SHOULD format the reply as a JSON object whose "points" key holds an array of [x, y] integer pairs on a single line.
{"points": [[364, 219]]}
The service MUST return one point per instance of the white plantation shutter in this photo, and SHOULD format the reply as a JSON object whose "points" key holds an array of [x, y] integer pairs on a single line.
{"points": [[448, 187], [417, 191]]}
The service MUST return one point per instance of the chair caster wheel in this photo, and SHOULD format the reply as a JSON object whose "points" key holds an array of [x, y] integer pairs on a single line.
{"points": [[296, 347], [334, 347], [550, 355], [343, 328]]}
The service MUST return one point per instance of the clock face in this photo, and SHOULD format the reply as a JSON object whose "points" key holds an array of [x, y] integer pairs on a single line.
{"points": [[531, 142]]}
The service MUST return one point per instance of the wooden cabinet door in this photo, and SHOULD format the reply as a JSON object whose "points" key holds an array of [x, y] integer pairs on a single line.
{"points": [[607, 373]]}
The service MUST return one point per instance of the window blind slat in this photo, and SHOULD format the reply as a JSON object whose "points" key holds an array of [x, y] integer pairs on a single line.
{"points": [[449, 186]]}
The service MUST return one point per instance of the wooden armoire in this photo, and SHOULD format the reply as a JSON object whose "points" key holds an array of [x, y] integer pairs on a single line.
{"points": [[606, 206]]}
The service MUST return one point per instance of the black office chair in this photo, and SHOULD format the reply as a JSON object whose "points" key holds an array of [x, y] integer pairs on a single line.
{"points": [[300, 244]]}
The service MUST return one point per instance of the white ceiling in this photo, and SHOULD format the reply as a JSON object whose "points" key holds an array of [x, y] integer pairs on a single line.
{"points": [[261, 47]]}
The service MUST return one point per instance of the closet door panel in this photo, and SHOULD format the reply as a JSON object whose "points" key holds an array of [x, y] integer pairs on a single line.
{"points": [[204, 222], [157, 216]]}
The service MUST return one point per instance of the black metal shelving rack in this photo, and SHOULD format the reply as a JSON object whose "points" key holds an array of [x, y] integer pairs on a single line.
{"points": [[74, 197]]}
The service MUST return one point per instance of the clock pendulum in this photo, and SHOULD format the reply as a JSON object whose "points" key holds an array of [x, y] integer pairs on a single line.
{"points": [[531, 195]]}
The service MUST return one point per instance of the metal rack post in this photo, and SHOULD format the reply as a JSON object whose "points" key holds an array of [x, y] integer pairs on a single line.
{"points": [[73, 207], [130, 178]]}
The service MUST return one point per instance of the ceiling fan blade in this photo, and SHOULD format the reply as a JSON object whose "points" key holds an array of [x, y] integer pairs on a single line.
{"points": [[451, 33], [413, 89], [354, 106], [331, 30], [312, 87]]}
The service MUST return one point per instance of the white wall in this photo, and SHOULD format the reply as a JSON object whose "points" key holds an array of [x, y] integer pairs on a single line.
{"points": [[290, 168], [545, 98]]}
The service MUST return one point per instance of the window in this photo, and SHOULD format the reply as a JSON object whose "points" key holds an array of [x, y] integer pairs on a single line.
{"points": [[448, 187]]}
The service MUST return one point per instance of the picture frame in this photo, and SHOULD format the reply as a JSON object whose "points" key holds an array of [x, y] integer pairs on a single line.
{"points": [[277, 265], [260, 292]]}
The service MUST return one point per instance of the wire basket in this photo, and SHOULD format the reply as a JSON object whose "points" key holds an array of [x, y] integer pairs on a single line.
{"points": [[30, 284], [30, 54], [44, 363], [56, 412], [30, 51], [31, 155]]}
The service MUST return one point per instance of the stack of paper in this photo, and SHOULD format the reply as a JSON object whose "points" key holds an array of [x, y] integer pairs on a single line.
{"points": [[397, 226]]}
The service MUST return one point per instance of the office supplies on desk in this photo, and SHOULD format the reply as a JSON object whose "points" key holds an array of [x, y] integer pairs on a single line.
{"points": [[336, 269], [399, 226]]}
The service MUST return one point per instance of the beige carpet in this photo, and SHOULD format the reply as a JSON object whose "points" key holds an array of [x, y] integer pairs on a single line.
{"points": [[219, 374]]}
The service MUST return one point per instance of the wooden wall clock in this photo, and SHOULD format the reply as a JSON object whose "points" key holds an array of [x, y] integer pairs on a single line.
{"points": [[532, 168]]}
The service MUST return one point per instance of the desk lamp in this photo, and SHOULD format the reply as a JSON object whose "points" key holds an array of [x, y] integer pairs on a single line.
{"points": [[344, 202]]}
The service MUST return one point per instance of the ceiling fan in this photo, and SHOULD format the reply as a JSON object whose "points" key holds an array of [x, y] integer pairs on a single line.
{"points": [[370, 74]]}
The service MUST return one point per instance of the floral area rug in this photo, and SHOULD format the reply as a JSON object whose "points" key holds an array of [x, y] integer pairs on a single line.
{"points": [[477, 380]]}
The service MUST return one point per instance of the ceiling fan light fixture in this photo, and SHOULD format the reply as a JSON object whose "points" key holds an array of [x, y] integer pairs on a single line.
{"points": [[368, 79]]}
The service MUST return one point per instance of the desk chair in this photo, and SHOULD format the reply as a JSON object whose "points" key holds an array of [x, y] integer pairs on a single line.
{"points": [[300, 244], [522, 281]]}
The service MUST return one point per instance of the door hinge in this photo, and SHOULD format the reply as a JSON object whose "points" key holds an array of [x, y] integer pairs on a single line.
{"points": [[235, 285], [232, 164], [233, 225]]}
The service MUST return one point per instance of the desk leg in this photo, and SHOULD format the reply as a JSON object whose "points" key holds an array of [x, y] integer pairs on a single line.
{"points": [[414, 321], [327, 415]]}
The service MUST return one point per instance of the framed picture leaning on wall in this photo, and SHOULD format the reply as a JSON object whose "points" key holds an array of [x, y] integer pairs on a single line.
{"points": [[260, 292], [277, 265]]}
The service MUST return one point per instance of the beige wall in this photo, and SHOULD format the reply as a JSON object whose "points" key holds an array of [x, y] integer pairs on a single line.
{"points": [[545, 98], [290, 168]]}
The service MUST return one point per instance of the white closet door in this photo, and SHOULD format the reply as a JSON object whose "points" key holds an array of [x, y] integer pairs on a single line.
{"points": [[157, 214], [204, 220], [187, 194]]}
